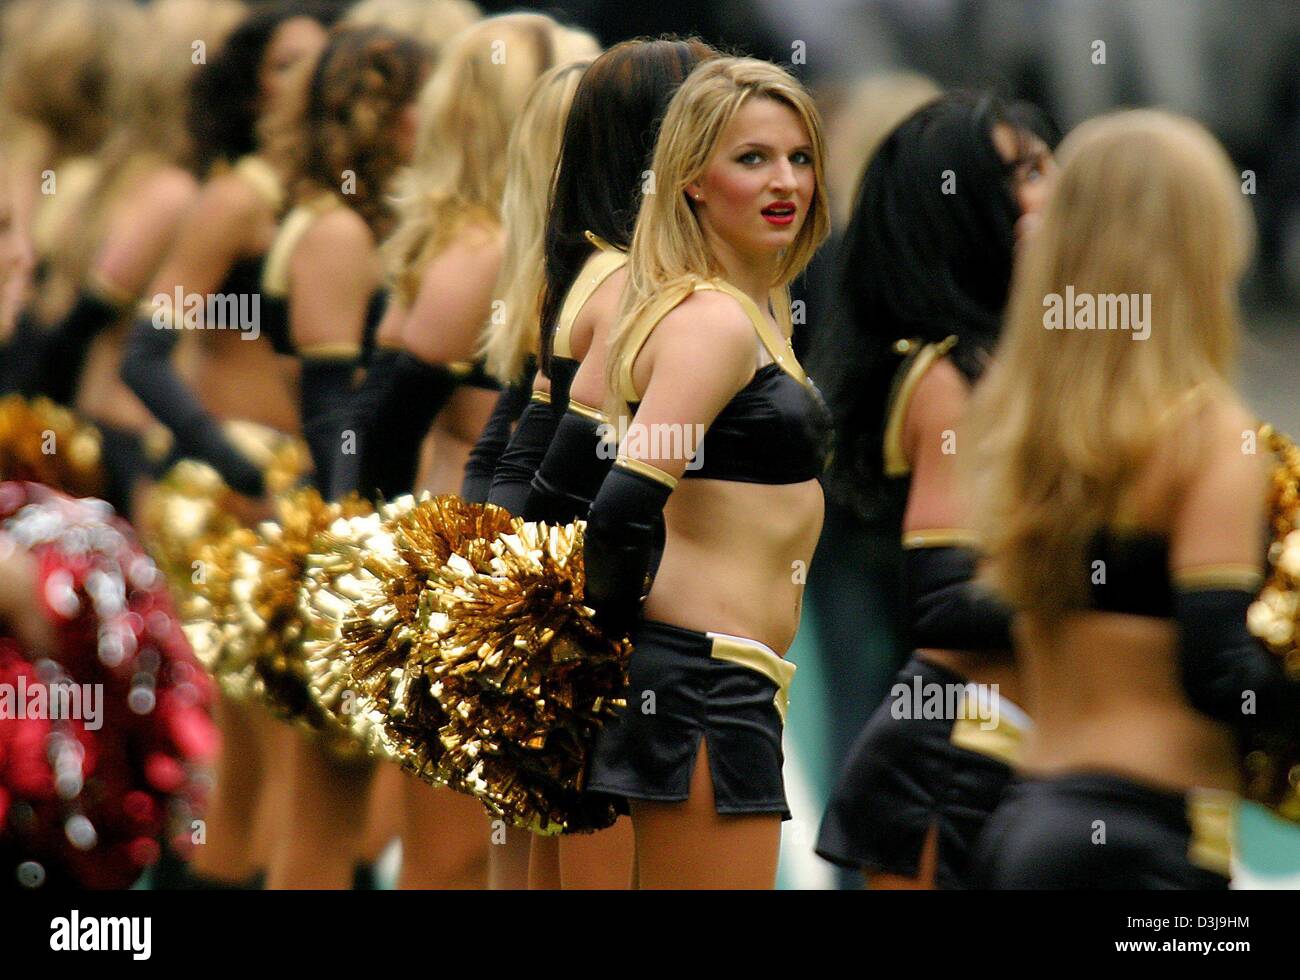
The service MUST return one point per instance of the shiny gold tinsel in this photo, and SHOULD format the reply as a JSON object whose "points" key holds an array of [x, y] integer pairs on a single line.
{"points": [[507, 664], [1273, 766], [209, 558], [46, 443], [271, 608]]}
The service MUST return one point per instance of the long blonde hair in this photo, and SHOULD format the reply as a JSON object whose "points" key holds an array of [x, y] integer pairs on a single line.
{"points": [[433, 23], [1146, 203], [467, 109], [669, 253], [530, 175]]}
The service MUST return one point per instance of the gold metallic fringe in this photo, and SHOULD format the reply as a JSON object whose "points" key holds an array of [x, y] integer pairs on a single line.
{"points": [[1273, 764], [211, 561], [524, 675], [46, 443]]}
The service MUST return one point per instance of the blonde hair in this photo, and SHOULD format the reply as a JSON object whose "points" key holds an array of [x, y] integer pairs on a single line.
{"points": [[467, 109], [433, 23], [530, 177], [668, 254], [58, 61], [1146, 203]]}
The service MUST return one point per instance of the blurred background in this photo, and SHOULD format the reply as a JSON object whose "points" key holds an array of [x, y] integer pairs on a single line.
{"points": [[1232, 64]]}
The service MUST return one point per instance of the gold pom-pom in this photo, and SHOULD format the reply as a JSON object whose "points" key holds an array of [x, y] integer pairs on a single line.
{"points": [[1274, 618], [523, 674], [212, 563], [46, 443]]}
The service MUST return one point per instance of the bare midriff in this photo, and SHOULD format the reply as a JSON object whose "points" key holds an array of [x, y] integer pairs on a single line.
{"points": [[240, 378], [736, 558], [1107, 696]]}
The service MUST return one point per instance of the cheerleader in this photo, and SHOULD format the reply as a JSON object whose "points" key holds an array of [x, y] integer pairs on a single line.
{"points": [[738, 209], [219, 251], [140, 196], [54, 122], [323, 275], [916, 331], [1120, 503], [444, 259], [597, 193]]}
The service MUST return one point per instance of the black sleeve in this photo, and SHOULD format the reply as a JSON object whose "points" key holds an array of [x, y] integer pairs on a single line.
{"points": [[147, 369], [326, 389], [946, 608], [492, 441], [619, 544], [22, 357], [520, 460], [64, 354], [1226, 672], [570, 475], [391, 414]]}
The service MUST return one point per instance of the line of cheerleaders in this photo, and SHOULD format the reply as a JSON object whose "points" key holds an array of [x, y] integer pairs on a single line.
{"points": [[435, 252]]}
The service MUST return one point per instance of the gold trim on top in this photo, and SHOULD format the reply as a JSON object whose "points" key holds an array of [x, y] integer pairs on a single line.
{"points": [[759, 657], [595, 271], [1225, 576], [586, 411], [778, 347], [941, 537], [541, 396], [262, 177], [109, 291], [1211, 813], [648, 470], [896, 463], [600, 243], [341, 350], [275, 273]]}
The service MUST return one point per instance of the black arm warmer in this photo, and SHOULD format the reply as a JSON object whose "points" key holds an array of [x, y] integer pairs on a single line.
{"points": [[946, 608], [391, 414], [619, 545], [571, 473], [485, 455], [147, 370], [66, 348], [522, 456], [326, 388], [1222, 663], [23, 356]]}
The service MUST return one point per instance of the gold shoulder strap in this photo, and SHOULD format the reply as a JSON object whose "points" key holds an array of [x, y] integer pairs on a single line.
{"points": [[275, 272], [640, 331], [920, 358], [263, 179], [599, 267], [778, 347]]}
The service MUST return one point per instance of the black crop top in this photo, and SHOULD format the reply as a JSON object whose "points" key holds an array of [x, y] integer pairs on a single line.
{"points": [[775, 430], [1128, 572]]}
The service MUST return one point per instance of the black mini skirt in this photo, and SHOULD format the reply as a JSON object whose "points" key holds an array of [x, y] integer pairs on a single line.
{"points": [[905, 775], [1101, 831], [685, 686]]}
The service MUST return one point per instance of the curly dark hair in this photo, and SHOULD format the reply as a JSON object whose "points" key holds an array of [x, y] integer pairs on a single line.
{"points": [[364, 79], [223, 114]]}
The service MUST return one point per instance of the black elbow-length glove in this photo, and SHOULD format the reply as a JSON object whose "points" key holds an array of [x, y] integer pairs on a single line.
{"points": [[147, 370], [571, 473], [492, 441], [946, 608]]}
